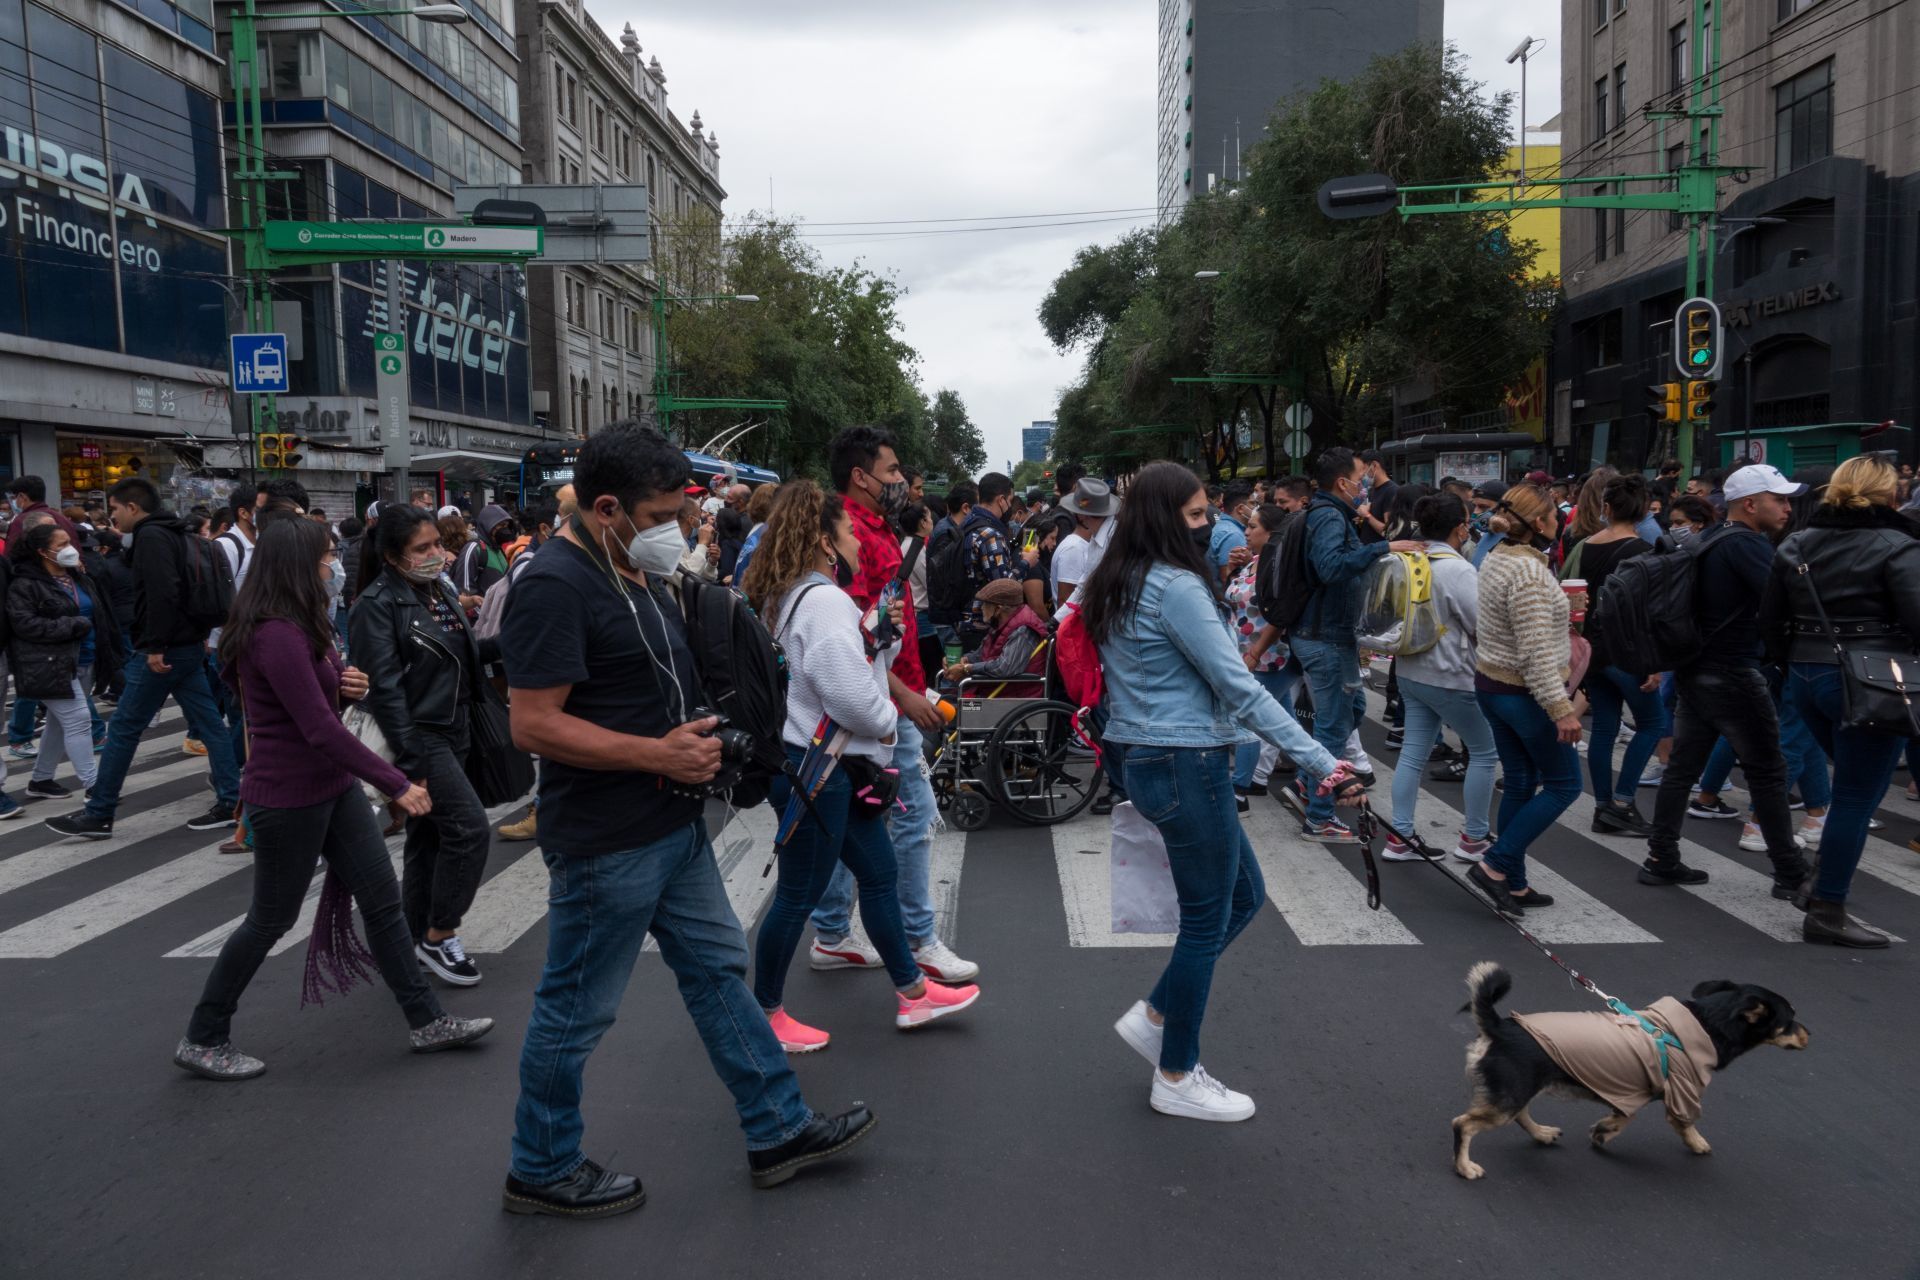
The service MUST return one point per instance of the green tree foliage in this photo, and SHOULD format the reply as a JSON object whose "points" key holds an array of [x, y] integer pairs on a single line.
{"points": [[1345, 311], [954, 446]]}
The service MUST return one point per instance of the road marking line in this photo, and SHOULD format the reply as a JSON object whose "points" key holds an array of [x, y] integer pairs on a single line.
{"points": [[1086, 892], [1321, 901], [58, 932], [507, 906], [64, 854], [741, 849]]}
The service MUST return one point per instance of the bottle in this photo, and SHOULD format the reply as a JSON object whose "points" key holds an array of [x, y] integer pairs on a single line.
{"points": [[943, 705]]}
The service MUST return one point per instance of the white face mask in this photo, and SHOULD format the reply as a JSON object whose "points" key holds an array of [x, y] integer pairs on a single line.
{"points": [[67, 557], [656, 551]]}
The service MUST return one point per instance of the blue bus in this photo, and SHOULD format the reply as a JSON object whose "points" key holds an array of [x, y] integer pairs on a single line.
{"points": [[544, 468]]}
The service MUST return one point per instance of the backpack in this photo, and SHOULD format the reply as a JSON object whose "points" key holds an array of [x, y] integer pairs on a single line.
{"points": [[948, 586], [1398, 614], [1647, 614], [206, 583], [242, 553], [1289, 583], [744, 673], [1078, 661]]}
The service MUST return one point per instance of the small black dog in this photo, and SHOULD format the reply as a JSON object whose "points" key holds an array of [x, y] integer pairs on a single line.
{"points": [[1608, 1059]]}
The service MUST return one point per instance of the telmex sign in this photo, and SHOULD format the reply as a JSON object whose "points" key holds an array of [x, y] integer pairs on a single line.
{"points": [[28, 156]]}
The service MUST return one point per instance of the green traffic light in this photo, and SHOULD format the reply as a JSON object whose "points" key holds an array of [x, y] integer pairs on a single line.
{"points": [[1702, 356]]}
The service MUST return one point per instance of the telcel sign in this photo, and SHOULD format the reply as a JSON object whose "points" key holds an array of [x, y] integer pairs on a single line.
{"points": [[402, 239]]}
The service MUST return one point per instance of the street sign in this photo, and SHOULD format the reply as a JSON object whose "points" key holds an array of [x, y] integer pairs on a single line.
{"points": [[1364, 195], [1298, 416], [403, 239], [259, 363], [390, 389], [1296, 444], [586, 222]]}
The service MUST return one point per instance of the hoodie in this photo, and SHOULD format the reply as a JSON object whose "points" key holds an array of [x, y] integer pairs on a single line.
{"points": [[159, 589]]}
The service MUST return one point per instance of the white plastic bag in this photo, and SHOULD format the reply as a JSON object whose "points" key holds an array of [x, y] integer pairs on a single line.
{"points": [[1139, 876]]}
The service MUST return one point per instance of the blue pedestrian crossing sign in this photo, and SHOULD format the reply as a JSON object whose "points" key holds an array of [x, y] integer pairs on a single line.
{"points": [[259, 363]]}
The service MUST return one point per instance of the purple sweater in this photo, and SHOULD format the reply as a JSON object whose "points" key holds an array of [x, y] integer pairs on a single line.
{"points": [[298, 752]]}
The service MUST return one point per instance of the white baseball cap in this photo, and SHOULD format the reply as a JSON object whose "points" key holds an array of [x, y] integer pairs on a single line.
{"points": [[1760, 478], [446, 511]]}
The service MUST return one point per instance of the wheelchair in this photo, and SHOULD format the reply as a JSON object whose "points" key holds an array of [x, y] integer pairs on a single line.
{"points": [[1013, 744]]}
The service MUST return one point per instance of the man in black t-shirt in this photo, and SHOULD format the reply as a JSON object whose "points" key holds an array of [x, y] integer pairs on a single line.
{"points": [[605, 692]]}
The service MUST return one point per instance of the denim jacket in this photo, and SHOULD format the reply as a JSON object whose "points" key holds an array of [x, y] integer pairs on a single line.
{"points": [[1339, 559], [1174, 677]]}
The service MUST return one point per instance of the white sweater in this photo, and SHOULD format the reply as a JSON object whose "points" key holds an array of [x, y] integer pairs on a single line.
{"points": [[829, 671]]}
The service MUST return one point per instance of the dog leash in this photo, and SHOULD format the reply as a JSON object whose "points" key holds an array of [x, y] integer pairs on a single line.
{"points": [[1661, 1037], [1367, 827]]}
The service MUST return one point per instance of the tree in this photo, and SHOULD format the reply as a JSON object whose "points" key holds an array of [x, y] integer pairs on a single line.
{"points": [[954, 446]]}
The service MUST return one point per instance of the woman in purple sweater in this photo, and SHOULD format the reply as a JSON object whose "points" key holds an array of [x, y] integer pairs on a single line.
{"points": [[304, 804]]}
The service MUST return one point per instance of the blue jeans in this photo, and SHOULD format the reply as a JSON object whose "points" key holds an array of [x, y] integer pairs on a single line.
{"points": [[1863, 764], [147, 690], [1428, 706], [814, 854], [1608, 690], [1332, 674], [600, 910], [1542, 773], [21, 724], [1283, 685], [1187, 792], [911, 830], [232, 712]]}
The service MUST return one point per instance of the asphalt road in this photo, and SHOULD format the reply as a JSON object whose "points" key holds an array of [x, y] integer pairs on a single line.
{"points": [[1015, 1141]]}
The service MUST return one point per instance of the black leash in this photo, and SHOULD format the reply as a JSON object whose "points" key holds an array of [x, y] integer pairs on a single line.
{"points": [[1367, 827]]}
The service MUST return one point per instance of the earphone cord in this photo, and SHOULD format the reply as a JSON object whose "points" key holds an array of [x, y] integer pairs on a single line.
{"points": [[676, 699]]}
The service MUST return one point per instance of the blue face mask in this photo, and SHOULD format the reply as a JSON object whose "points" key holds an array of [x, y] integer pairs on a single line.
{"points": [[1478, 522]]}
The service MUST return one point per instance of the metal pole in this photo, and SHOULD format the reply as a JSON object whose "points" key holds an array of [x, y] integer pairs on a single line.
{"points": [[1746, 444], [398, 476], [1523, 112]]}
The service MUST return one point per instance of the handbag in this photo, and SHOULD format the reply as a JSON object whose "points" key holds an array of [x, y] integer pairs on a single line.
{"points": [[1140, 879], [1876, 689], [358, 720], [499, 771]]}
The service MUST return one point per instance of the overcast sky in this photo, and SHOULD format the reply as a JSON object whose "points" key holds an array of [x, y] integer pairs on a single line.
{"points": [[1002, 111]]}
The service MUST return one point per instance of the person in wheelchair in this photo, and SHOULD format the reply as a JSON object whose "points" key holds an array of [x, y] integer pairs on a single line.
{"points": [[1015, 634]]}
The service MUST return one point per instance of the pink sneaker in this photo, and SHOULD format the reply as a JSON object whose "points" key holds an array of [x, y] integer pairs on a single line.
{"points": [[937, 1003], [796, 1037]]}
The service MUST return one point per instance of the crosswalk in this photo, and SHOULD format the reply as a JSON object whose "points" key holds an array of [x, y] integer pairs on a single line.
{"points": [[59, 898]]}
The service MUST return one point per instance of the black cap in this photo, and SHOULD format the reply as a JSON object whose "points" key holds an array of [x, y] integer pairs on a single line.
{"points": [[1491, 490]]}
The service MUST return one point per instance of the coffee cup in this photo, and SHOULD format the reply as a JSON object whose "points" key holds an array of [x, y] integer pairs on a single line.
{"points": [[1576, 589]]}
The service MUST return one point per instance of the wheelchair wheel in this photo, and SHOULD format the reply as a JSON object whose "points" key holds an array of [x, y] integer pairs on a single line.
{"points": [[1033, 770], [970, 810]]}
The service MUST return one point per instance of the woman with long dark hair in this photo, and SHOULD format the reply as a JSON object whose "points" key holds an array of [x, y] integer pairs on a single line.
{"points": [[790, 582], [61, 625], [424, 664], [304, 803], [1609, 689], [1178, 697]]}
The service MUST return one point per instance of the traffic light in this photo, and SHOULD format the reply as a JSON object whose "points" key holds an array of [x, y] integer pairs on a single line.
{"points": [[1696, 347], [1699, 403], [276, 452], [1667, 403]]}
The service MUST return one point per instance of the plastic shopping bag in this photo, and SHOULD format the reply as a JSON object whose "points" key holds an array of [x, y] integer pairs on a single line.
{"points": [[1140, 878]]}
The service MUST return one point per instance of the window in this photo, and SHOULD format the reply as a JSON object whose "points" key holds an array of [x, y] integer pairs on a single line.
{"points": [[1676, 156], [1601, 10], [1620, 96], [1600, 108], [1601, 227], [1606, 340], [608, 329], [1679, 68], [1803, 119], [599, 114], [576, 303], [1790, 7]]}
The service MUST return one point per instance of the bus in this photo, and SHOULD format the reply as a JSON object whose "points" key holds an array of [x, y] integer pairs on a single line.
{"points": [[545, 467]]}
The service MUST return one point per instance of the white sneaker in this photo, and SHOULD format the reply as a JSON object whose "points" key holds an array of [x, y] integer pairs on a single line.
{"points": [[1199, 1096], [1651, 775], [844, 954], [937, 960], [1811, 830], [1137, 1029], [1753, 842]]}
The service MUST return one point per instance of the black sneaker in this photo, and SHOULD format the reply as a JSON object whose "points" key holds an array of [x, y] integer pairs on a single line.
{"points": [[1670, 873], [1496, 891], [1253, 789], [46, 789], [78, 823], [221, 815], [448, 961], [1795, 802], [1615, 818], [1396, 738], [1698, 808], [824, 1136], [1103, 803], [587, 1192], [1454, 770]]}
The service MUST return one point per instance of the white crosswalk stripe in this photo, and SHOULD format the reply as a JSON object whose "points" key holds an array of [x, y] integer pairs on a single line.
{"points": [[61, 931], [1322, 902]]}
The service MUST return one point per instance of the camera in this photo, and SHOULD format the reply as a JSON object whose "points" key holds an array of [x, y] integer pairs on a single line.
{"points": [[737, 754]]}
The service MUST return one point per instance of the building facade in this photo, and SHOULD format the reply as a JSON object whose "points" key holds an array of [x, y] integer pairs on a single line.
{"points": [[1035, 441], [113, 281], [599, 113], [1816, 261], [1224, 64]]}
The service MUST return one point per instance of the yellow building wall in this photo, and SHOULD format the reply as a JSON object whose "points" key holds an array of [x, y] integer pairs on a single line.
{"points": [[1527, 402]]}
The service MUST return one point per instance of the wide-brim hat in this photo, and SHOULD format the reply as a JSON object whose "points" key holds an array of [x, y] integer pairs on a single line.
{"points": [[1090, 497]]}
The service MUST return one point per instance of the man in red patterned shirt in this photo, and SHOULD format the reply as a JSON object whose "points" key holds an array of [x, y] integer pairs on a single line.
{"points": [[866, 472]]}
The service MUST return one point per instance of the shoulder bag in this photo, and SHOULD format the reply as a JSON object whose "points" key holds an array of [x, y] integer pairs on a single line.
{"points": [[1876, 689]]}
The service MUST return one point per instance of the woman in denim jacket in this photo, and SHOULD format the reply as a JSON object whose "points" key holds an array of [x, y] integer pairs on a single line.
{"points": [[1178, 695]]}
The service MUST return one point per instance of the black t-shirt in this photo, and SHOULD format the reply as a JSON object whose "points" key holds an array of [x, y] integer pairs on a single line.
{"points": [[567, 624], [1732, 576]]}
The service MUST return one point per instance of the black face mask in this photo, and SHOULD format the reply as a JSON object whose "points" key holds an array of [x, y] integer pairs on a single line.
{"points": [[1202, 536]]}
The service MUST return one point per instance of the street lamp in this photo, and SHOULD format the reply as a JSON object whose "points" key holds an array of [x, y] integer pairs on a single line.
{"points": [[1524, 50], [1206, 275]]}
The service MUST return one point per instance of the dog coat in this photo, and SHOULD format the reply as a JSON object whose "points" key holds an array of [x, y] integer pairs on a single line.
{"points": [[1613, 1056]]}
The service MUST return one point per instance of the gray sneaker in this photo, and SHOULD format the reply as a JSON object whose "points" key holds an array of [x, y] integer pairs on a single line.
{"points": [[448, 1032], [216, 1061]]}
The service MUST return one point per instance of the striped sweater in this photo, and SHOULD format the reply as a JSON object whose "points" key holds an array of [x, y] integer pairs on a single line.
{"points": [[1522, 638]]}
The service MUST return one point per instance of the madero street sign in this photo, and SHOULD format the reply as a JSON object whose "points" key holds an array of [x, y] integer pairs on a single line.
{"points": [[403, 239]]}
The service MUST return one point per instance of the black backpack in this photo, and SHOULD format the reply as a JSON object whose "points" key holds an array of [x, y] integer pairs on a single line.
{"points": [[744, 673], [1287, 584], [206, 582], [1648, 614], [949, 590]]}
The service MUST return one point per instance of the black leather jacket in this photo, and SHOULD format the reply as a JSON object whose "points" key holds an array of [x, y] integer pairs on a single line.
{"points": [[47, 630], [413, 673], [1865, 564]]}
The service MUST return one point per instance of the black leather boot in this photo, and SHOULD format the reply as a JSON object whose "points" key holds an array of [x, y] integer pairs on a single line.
{"points": [[825, 1136], [587, 1192], [1829, 922]]}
